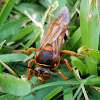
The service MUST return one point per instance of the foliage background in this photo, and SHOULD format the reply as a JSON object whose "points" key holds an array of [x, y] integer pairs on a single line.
{"points": [[17, 32]]}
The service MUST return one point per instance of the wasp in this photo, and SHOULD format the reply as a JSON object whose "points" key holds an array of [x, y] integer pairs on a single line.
{"points": [[47, 56]]}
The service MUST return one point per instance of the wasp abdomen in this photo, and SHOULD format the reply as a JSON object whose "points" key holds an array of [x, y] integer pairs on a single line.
{"points": [[45, 57]]}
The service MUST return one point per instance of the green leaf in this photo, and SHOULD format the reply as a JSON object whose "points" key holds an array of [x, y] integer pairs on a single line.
{"points": [[6, 10], [92, 53], [93, 81], [1, 44], [55, 84], [10, 28], [43, 92], [34, 37], [9, 97], [31, 9], [79, 95], [93, 94], [1, 69], [68, 94], [72, 40], [22, 33], [45, 3], [53, 93], [13, 57], [89, 23], [83, 82], [77, 63], [13, 85]]}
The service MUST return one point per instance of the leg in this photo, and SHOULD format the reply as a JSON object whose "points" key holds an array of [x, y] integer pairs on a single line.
{"points": [[26, 51], [28, 74], [71, 53], [57, 71], [68, 65], [28, 77]]}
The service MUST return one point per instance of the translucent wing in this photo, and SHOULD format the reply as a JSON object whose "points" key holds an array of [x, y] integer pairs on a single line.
{"points": [[57, 43], [56, 30]]}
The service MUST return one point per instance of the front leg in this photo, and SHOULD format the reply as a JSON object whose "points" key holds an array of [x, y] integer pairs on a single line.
{"points": [[25, 51], [30, 70]]}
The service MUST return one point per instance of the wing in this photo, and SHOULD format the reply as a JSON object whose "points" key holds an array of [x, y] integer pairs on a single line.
{"points": [[58, 43], [57, 28]]}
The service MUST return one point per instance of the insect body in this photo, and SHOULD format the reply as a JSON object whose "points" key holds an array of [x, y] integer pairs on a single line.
{"points": [[48, 54]]}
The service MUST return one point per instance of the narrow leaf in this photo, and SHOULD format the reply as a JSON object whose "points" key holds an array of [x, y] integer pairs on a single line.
{"points": [[13, 57], [22, 33], [68, 94], [6, 10], [73, 40], [92, 53], [79, 65], [55, 84], [9, 97], [53, 93], [11, 28], [89, 23]]}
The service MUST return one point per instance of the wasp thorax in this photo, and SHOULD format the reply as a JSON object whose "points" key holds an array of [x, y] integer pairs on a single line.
{"points": [[45, 57], [42, 74]]}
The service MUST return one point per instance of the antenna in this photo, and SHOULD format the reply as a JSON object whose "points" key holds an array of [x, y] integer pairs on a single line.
{"points": [[15, 63]]}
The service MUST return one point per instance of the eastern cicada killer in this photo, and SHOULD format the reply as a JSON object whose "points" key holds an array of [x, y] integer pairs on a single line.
{"points": [[47, 56]]}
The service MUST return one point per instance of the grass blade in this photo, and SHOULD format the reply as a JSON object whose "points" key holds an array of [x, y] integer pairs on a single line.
{"points": [[68, 95], [55, 84], [53, 93], [6, 10], [79, 65], [11, 27], [89, 24], [22, 33], [73, 40], [13, 57]]}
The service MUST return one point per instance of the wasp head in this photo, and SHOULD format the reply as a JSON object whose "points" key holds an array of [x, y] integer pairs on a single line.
{"points": [[42, 74]]}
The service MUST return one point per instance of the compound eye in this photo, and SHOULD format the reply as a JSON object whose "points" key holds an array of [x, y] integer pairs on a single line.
{"points": [[36, 72]]}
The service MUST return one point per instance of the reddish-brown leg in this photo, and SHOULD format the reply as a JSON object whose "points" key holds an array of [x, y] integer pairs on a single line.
{"points": [[57, 71], [28, 74], [70, 53], [68, 65], [25, 51]]}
